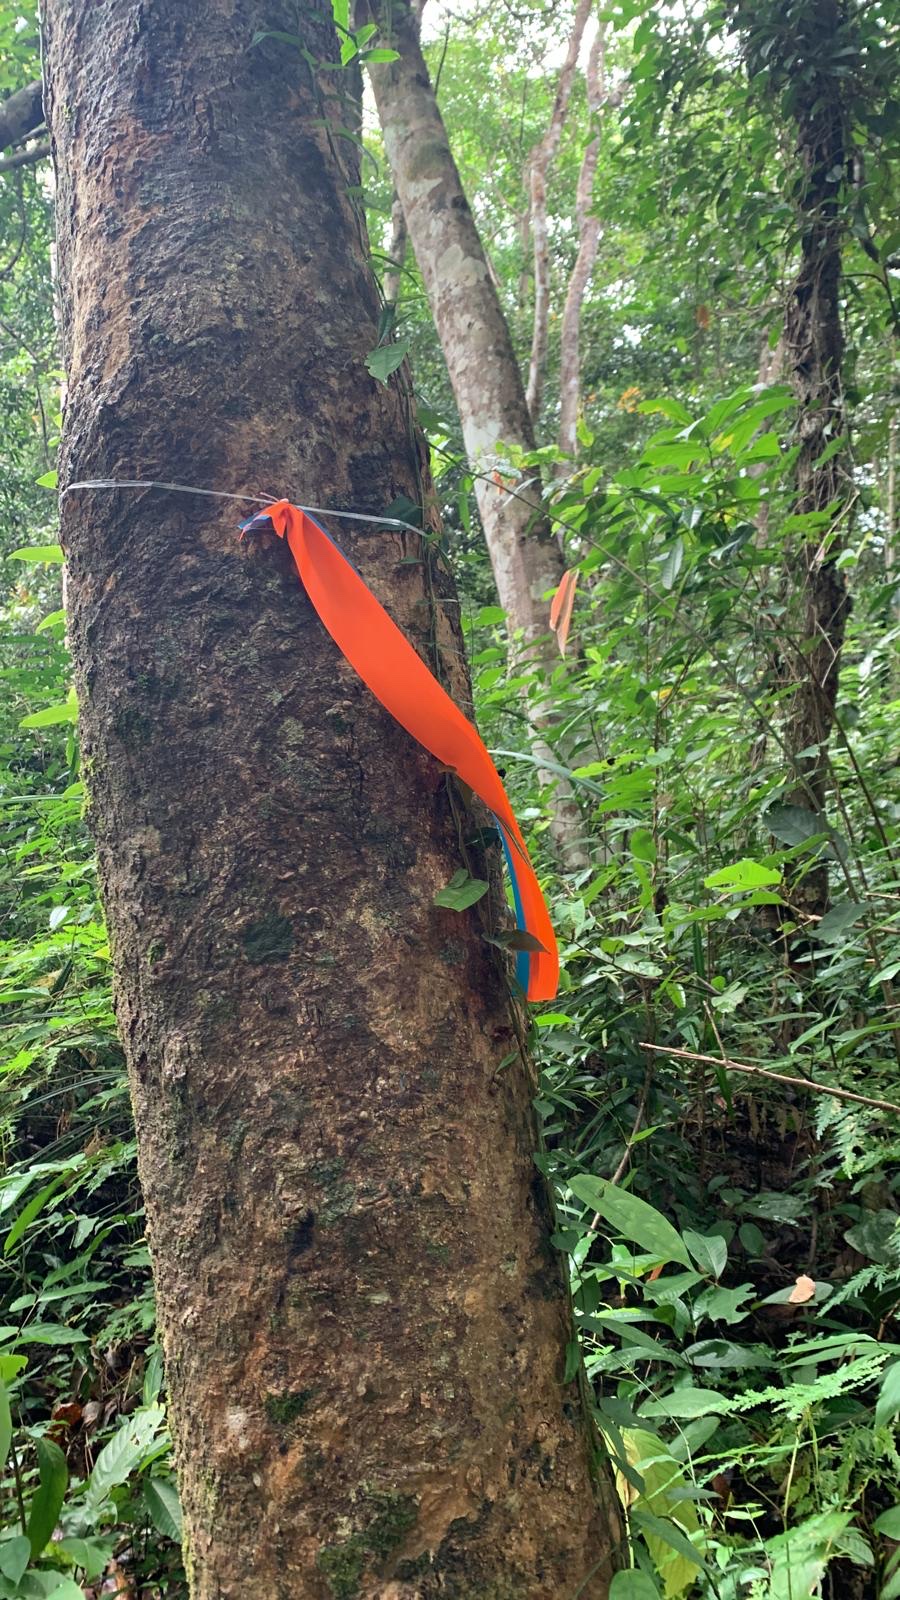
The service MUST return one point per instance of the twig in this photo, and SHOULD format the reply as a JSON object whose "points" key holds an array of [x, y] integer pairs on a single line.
{"points": [[778, 1077], [25, 158]]}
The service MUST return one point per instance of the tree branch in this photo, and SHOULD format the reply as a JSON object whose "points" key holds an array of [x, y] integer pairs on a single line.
{"points": [[25, 158], [541, 157], [777, 1077], [20, 114]]}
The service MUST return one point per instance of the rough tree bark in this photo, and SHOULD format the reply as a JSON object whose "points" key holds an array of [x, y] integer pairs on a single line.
{"points": [[541, 157], [482, 366], [362, 1315], [589, 228], [813, 353]]}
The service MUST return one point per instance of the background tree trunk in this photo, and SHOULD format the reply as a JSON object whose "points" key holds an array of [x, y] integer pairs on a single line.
{"points": [[541, 157], [482, 366], [813, 353], [362, 1315], [589, 228]]}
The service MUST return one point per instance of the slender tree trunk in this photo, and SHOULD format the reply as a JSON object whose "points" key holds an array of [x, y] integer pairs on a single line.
{"points": [[541, 158], [363, 1318], [483, 371], [813, 353], [393, 272], [589, 228]]}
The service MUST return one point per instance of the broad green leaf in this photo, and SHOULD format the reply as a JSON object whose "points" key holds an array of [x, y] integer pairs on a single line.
{"points": [[53, 619], [65, 711], [835, 922], [48, 555], [642, 844], [45, 1333], [633, 1585], [888, 1402], [792, 824], [384, 360], [126, 1451], [632, 1217], [652, 1507], [743, 874], [708, 1250], [666, 406], [888, 1524], [15, 1555], [664, 1531], [164, 1507], [461, 892], [92, 1555], [687, 1403], [47, 1502], [48, 480]]}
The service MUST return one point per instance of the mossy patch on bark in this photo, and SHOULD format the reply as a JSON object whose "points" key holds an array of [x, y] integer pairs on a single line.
{"points": [[270, 939]]}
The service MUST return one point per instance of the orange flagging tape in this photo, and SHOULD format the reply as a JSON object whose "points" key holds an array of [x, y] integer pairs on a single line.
{"points": [[398, 677]]}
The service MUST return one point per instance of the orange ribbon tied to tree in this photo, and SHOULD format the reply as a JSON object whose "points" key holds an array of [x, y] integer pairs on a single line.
{"points": [[398, 677]]}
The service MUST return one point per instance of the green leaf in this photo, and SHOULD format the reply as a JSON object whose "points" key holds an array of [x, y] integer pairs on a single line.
{"points": [[643, 846], [384, 360], [708, 1250], [672, 564], [835, 922], [164, 1507], [48, 554], [461, 892], [49, 480], [92, 1555], [687, 1404], [632, 1217], [743, 874], [66, 711], [47, 1502], [381, 54], [888, 1523], [674, 452], [669, 1533], [46, 1333], [888, 1403], [15, 1555], [794, 824], [29, 1212], [124, 1452], [633, 1585], [666, 406], [53, 619]]}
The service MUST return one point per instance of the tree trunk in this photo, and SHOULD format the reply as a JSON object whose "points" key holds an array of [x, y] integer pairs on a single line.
{"points": [[482, 367], [363, 1318], [541, 157], [588, 244], [813, 353], [394, 267]]}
